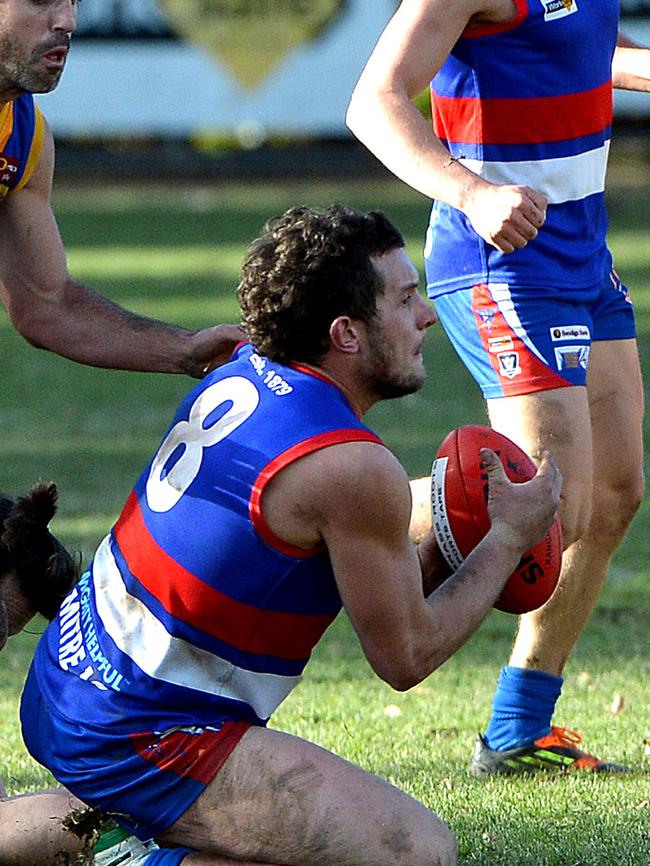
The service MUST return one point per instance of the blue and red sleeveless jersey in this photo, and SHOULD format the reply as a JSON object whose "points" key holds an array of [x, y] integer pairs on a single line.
{"points": [[193, 612], [530, 102], [22, 130]]}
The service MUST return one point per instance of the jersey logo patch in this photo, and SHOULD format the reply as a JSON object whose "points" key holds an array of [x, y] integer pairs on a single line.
{"points": [[509, 364], [500, 344], [8, 174], [558, 8]]}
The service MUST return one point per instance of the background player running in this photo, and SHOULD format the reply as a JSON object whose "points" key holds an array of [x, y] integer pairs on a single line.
{"points": [[517, 262]]}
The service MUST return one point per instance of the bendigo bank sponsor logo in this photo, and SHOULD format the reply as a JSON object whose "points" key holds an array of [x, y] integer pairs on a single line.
{"points": [[570, 332]]}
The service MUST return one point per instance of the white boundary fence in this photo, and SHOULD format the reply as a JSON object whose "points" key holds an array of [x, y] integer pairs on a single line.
{"points": [[131, 73]]}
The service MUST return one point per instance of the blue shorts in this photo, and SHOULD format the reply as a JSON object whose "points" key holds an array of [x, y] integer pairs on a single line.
{"points": [[144, 781], [167, 857], [519, 341]]}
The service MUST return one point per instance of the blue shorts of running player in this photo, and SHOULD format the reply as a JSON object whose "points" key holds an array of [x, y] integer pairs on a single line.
{"points": [[519, 341], [144, 781]]}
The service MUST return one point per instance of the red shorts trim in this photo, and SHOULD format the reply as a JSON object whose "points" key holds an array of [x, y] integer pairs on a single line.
{"points": [[190, 754]]}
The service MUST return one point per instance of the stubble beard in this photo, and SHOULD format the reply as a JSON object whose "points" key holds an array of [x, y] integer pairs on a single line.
{"points": [[383, 379], [19, 74]]}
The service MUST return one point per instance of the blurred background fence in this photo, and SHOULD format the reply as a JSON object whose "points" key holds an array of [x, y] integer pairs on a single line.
{"points": [[171, 88]]}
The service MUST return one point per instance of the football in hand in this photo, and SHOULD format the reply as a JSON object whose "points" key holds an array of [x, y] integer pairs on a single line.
{"points": [[459, 491]]}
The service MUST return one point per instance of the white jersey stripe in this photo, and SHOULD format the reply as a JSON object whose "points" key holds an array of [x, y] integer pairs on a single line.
{"points": [[567, 178], [141, 636]]}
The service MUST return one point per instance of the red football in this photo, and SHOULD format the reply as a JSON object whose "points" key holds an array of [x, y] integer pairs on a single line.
{"points": [[459, 490]]}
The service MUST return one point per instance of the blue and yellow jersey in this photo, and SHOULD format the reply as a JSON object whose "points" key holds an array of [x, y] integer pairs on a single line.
{"points": [[22, 129]]}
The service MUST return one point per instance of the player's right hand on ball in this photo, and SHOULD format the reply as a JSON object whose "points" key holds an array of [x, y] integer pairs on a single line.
{"points": [[525, 512], [506, 216]]}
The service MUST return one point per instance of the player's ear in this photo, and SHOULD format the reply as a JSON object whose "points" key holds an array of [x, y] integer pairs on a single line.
{"points": [[344, 334]]}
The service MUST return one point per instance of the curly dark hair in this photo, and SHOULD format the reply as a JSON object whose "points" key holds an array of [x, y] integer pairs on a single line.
{"points": [[309, 267], [45, 570]]}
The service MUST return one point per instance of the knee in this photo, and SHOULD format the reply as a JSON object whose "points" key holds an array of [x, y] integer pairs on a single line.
{"points": [[575, 513], [448, 855], [606, 515], [441, 852], [614, 506]]}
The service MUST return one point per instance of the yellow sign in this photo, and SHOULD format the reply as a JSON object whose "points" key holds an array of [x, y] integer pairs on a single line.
{"points": [[250, 37]]}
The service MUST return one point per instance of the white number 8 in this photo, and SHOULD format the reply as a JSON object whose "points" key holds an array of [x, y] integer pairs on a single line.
{"points": [[194, 437]]}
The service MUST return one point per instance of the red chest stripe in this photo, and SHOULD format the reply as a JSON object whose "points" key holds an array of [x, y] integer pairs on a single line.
{"points": [[184, 596], [523, 121]]}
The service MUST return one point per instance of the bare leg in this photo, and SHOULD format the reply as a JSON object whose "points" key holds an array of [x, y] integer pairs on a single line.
{"points": [[280, 799], [32, 831], [603, 486]]}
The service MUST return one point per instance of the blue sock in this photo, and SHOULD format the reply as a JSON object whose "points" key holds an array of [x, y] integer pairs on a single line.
{"points": [[167, 857], [522, 707]]}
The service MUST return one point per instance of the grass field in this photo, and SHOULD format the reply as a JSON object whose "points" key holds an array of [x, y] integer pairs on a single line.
{"points": [[175, 255]]}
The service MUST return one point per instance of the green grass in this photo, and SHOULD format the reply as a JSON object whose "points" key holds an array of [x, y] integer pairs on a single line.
{"points": [[175, 256]]}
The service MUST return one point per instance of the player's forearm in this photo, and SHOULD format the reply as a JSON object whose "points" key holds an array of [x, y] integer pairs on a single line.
{"points": [[393, 129], [406, 646], [81, 325], [462, 602]]}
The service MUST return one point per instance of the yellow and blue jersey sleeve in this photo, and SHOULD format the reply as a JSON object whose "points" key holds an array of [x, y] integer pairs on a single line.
{"points": [[22, 131]]}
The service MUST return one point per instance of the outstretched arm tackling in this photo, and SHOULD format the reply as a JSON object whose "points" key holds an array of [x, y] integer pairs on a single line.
{"points": [[55, 312], [381, 114]]}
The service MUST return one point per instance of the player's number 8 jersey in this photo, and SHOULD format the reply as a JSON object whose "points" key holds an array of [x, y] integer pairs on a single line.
{"points": [[193, 611]]}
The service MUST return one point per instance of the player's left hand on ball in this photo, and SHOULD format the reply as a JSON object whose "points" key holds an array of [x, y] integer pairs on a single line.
{"points": [[525, 511], [213, 347]]}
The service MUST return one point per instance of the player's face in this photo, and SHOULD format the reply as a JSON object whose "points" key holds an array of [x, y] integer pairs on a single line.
{"points": [[395, 366], [34, 43]]}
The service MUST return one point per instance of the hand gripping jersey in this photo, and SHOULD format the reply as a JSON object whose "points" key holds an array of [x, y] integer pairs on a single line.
{"points": [[22, 130], [193, 612], [530, 102]]}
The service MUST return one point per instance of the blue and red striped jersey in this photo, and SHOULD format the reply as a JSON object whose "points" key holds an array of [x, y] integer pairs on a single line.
{"points": [[530, 102], [193, 611]]}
